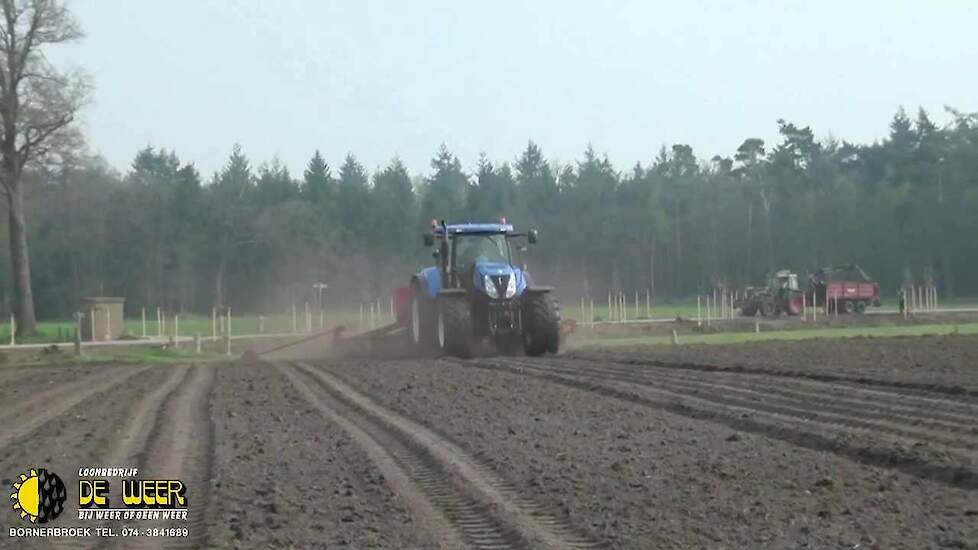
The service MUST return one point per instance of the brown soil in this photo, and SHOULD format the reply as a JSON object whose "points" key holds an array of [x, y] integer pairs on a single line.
{"points": [[858, 443], [942, 363]]}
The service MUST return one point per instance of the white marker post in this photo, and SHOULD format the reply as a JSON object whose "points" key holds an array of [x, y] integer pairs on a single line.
{"points": [[228, 340]]}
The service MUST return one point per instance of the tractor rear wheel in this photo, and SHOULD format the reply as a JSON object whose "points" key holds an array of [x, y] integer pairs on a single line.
{"points": [[541, 324], [860, 307], [849, 306], [454, 327]]}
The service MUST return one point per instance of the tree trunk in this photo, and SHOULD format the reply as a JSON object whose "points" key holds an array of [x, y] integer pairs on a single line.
{"points": [[679, 249], [770, 234], [750, 242], [20, 262], [219, 282]]}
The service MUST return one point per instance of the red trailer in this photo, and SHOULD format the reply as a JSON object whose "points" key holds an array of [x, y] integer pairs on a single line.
{"points": [[845, 288]]}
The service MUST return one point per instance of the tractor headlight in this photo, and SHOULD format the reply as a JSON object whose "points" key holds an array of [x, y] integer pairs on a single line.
{"points": [[511, 287], [490, 287]]}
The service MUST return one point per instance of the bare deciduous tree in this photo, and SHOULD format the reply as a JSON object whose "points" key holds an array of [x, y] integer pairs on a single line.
{"points": [[38, 103]]}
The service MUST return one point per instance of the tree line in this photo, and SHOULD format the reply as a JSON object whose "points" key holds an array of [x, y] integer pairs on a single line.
{"points": [[258, 237]]}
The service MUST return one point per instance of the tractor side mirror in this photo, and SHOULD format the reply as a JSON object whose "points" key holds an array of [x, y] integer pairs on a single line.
{"points": [[531, 236], [429, 239], [436, 254]]}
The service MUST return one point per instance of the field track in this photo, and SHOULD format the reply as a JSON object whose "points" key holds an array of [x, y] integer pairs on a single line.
{"points": [[576, 451]]}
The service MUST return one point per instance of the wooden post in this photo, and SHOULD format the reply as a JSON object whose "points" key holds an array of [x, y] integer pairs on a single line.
{"points": [[308, 319], [13, 330], [295, 326], [162, 324], [214, 323], [91, 323], [814, 307], [804, 307], [610, 317], [624, 308], [699, 312], [159, 323], [592, 313], [675, 338], [757, 326], [648, 303], [143, 314], [322, 319], [582, 309], [360, 326], [176, 330], [935, 299], [709, 313], [637, 313], [108, 324], [261, 324], [197, 341]]}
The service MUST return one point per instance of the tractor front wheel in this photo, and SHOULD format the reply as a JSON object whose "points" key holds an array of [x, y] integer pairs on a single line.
{"points": [[541, 324], [454, 327]]}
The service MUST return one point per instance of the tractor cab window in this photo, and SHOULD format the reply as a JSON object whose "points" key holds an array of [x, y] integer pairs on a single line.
{"points": [[471, 249]]}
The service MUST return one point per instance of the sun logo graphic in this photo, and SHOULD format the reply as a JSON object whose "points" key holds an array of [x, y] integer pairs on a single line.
{"points": [[39, 496]]}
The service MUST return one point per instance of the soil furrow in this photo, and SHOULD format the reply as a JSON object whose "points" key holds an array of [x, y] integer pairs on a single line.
{"points": [[961, 404], [533, 525], [44, 406], [770, 371], [962, 435], [179, 446], [427, 513], [936, 408], [783, 428]]}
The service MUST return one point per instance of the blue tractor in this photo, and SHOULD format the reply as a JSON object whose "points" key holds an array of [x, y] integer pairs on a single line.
{"points": [[476, 293]]}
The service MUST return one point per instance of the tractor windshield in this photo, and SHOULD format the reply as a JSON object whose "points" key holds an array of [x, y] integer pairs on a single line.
{"points": [[471, 249]]}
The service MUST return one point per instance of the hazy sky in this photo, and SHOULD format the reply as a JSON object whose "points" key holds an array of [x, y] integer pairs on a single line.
{"points": [[386, 78]]}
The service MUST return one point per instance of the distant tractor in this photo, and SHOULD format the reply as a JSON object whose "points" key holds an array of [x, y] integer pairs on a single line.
{"points": [[477, 293], [781, 295], [846, 287]]}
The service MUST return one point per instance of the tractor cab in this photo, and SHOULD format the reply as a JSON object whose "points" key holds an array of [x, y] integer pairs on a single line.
{"points": [[478, 256], [784, 280]]}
